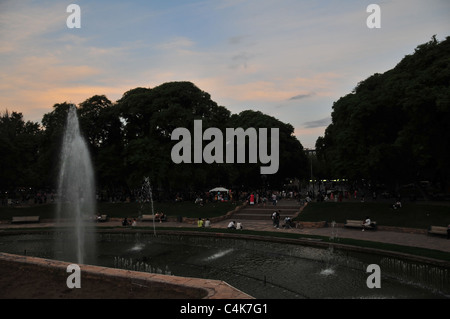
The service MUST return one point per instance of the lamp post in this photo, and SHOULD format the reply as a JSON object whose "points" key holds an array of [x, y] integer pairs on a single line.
{"points": [[311, 153]]}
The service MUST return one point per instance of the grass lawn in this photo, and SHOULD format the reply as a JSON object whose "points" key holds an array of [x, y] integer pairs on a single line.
{"points": [[412, 215], [120, 210]]}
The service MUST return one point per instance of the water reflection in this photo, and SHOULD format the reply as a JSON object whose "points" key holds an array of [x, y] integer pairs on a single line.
{"points": [[261, 269]]}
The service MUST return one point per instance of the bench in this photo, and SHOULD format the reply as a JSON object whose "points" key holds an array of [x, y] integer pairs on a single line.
{"points": [[359, 224], [437, 230], [102, 218], [149, 218], [25, 219]]}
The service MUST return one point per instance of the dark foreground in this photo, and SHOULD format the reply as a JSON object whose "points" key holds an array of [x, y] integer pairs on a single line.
{"points": [[34, 282]]}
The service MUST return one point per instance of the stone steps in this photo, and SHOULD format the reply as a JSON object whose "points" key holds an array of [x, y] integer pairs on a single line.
{"points": [[271, 208], [265, 212], [251, 217]]}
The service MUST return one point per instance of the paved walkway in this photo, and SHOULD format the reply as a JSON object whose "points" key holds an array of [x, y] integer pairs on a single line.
{"points": [[394, 237]]}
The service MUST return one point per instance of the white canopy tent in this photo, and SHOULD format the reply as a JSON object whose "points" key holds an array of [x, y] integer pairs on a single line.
{"points": [[219, 189]]}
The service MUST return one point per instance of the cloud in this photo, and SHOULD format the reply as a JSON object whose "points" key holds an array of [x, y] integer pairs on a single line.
{"points": [[301, 96], [22, 23], [240, 60], [318, 123], [246, 54], [238, 39]]}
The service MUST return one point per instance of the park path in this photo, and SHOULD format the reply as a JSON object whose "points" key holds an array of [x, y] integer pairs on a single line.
{"points": [[264, 223]]}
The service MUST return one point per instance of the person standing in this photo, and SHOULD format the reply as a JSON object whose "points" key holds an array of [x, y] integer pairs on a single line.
{"points": [[277, 219]]}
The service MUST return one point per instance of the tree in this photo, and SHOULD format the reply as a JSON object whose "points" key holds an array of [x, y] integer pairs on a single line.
{"points": [[150, 116], [19, 152], [53, 124], [292, 158], [101, 126], [392, 127]]}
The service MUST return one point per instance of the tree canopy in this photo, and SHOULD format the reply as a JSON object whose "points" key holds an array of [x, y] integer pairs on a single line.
{"points": [[131, 139], [393, 127]]}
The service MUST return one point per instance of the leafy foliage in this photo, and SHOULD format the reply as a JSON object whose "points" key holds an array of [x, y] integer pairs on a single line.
{"points": [[131, 139], [393, 127]]}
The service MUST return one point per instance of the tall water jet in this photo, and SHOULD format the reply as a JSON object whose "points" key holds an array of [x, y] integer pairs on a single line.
{"points": [[76, 189], [146, 196]]}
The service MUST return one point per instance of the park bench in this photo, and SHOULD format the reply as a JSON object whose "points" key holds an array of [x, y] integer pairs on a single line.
{"points": [[102, 218], [149, 218], [437, 230], [358, 224], [25, 219]]}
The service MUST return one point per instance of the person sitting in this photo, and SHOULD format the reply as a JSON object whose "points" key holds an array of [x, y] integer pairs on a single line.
{"points": [[287, 222], [200, 222], [239, 226], [232, 225], [125, 222], [397, 205], [134, 223], [367, 223], [207, 222]]}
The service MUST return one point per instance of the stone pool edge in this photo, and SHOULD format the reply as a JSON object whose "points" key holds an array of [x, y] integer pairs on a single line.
{"points": [[214, 289]]}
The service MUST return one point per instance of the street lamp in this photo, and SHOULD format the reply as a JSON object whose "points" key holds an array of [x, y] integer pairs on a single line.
{"points": [[311, 153]]}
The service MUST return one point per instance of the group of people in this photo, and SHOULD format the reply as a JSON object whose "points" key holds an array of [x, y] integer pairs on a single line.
{"points": [[234, 225], [288, 223], [126, 222], [203, 223], [159, 217], [256, 199]]}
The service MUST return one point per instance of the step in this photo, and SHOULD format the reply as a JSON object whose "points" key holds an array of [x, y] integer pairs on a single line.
{"points": [[258, 216], [267, 211], [291, 213], [251, 217], [271, 207]]}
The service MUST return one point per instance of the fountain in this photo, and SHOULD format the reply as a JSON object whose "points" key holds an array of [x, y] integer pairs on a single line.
{"points": [[146, 197], [262, 269], [334, 231], [77, 193]]}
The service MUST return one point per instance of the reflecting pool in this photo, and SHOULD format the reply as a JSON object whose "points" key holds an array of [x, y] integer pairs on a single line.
{"points": [[262, 269]]}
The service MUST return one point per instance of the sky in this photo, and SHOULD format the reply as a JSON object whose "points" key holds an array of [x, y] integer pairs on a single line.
{"points": [[290, 59]]}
